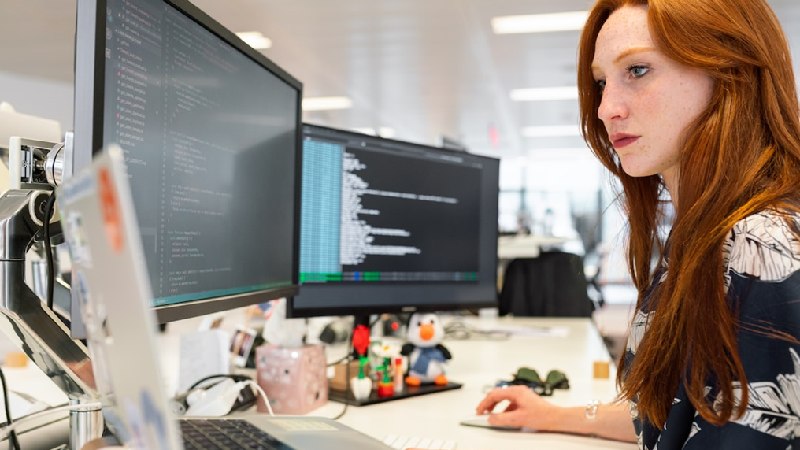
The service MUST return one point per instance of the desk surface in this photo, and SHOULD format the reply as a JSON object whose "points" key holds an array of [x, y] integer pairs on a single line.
{"points": [[570, 345], [478, 364]]}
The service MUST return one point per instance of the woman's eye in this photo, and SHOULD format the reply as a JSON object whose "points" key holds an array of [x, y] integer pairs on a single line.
{"points": [[601, 84], [638, 71]]}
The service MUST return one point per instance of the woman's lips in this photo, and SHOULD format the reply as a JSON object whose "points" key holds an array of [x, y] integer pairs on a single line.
{"points": [[622, 141]]}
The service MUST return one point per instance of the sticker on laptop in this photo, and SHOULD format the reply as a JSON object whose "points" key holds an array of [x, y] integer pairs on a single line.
{"points": [[109, 203], [76, 240], [147, 423]]}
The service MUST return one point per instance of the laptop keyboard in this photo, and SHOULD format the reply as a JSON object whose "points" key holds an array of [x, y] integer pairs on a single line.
{"points": [[226, 434]]}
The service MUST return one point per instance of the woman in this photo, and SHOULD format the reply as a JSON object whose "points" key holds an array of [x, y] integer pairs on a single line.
{"points": [[696, 98]]}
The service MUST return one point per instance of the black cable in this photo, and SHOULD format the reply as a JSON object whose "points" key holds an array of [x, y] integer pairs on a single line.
{"points": [[13, 444], [48, 252], [235, 377], [340, 360], [349, 358]]}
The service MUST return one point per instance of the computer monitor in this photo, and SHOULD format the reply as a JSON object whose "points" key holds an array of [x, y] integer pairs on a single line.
{"points": [[211, 134], [393, 226]]}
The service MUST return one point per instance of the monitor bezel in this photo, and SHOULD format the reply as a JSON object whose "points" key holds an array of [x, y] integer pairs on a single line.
{"points": [[89, 94], [377, 308]]}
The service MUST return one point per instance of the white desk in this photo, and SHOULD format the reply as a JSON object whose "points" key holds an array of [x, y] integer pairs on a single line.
{"points": [[479, 364], [48, 430]]}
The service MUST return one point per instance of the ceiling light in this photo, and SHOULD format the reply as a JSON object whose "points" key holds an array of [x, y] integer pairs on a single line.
{"points": [[255, 39], [545, 94], [540, 23], [326, 103], [551, 131]]}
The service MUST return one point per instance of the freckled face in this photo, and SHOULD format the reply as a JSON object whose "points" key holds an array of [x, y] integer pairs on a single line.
{"points": [[648, 99]]}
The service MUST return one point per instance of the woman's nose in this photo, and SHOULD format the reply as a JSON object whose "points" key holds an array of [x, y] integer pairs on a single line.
{"points": [[612, 105]]}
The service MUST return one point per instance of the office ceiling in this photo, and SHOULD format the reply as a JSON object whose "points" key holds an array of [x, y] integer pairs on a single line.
{"points": [[423, 68]]}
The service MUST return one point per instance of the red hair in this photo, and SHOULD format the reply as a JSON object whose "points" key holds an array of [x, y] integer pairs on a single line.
{"points": [[740, 156]]}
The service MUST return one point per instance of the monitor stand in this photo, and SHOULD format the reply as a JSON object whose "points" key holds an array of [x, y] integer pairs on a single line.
{"points": [[346, 395]]}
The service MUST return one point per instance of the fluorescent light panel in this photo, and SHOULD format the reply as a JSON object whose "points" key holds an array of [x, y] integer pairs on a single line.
{"points": [[551, 131], [255, 39], [545, 94], [326, 103], [540, 23]]}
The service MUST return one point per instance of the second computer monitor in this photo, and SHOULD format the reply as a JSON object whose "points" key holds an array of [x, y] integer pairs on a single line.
{"points": [[390, 226]]}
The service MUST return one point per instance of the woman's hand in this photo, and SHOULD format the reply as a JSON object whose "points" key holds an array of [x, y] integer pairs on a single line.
{"points": [[525, 409]]}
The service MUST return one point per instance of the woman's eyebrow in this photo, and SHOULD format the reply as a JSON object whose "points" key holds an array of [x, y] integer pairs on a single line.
{"points": [[632, 51], [624, 54]]}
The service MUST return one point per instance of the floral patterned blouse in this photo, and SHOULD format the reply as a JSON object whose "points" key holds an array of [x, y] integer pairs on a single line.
{"points": [[762, 270]]}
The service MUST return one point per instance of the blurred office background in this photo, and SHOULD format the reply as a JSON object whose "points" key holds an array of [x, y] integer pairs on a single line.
{"points": [[464, 73]]}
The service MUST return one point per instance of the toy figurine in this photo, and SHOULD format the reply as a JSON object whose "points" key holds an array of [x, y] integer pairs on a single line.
{"points": [[385, 384], [360, 341], [426, 354], [361, 385]]}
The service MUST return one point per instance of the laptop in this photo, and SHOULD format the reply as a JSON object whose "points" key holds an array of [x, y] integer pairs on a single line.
{"points": [[114, 290]]}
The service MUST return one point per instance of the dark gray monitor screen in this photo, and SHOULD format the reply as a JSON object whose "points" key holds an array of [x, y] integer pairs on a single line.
{"points": [[210, 136], [388, 225]]}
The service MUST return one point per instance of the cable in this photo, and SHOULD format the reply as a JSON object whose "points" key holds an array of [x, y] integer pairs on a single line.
{"points": [[260, 391], [48, 253], [346, 384], [340, 360], [13, 443], [179, 403], [235, 377]]}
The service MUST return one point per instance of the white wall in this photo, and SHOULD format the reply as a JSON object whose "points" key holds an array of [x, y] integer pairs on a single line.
{"points": [[38, 97]]}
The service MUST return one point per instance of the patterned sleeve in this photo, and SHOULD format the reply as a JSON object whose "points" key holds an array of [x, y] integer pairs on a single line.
{"points": [[763, 276]]}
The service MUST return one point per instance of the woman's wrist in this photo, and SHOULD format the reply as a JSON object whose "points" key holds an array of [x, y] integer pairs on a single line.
{"points": [[562, 419], [574, 419], [609, 421]]}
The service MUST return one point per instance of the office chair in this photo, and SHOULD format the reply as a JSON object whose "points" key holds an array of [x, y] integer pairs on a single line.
{"points": [[551, 285]]}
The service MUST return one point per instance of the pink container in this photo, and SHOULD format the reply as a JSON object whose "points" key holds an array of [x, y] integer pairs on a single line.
{"points": [[294, 379]]}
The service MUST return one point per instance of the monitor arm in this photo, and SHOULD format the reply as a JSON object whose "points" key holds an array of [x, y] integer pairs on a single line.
{"points": [[24, 318]]}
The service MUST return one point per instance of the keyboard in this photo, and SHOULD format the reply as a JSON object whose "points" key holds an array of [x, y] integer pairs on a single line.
{"points": [[226, 434], [404, 442]]}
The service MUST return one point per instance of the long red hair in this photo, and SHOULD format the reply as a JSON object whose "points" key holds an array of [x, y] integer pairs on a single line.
{"points": [[741, 156]]}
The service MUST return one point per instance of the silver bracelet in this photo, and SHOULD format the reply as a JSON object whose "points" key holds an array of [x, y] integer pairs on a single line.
{"points": [[590, 412]]}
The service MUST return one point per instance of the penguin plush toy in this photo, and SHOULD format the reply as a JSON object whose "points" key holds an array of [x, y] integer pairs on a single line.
{"points": [[426, 354]]}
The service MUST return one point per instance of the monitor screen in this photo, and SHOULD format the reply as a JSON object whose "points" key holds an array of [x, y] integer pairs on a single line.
{"points": [[391, 226], [211, 134]]}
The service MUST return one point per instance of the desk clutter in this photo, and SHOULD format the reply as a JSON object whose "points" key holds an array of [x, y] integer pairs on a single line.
{"points": [[390, 369]]}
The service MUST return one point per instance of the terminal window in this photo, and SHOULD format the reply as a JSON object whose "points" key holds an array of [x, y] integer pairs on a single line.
{"points": [[375, 212]]}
